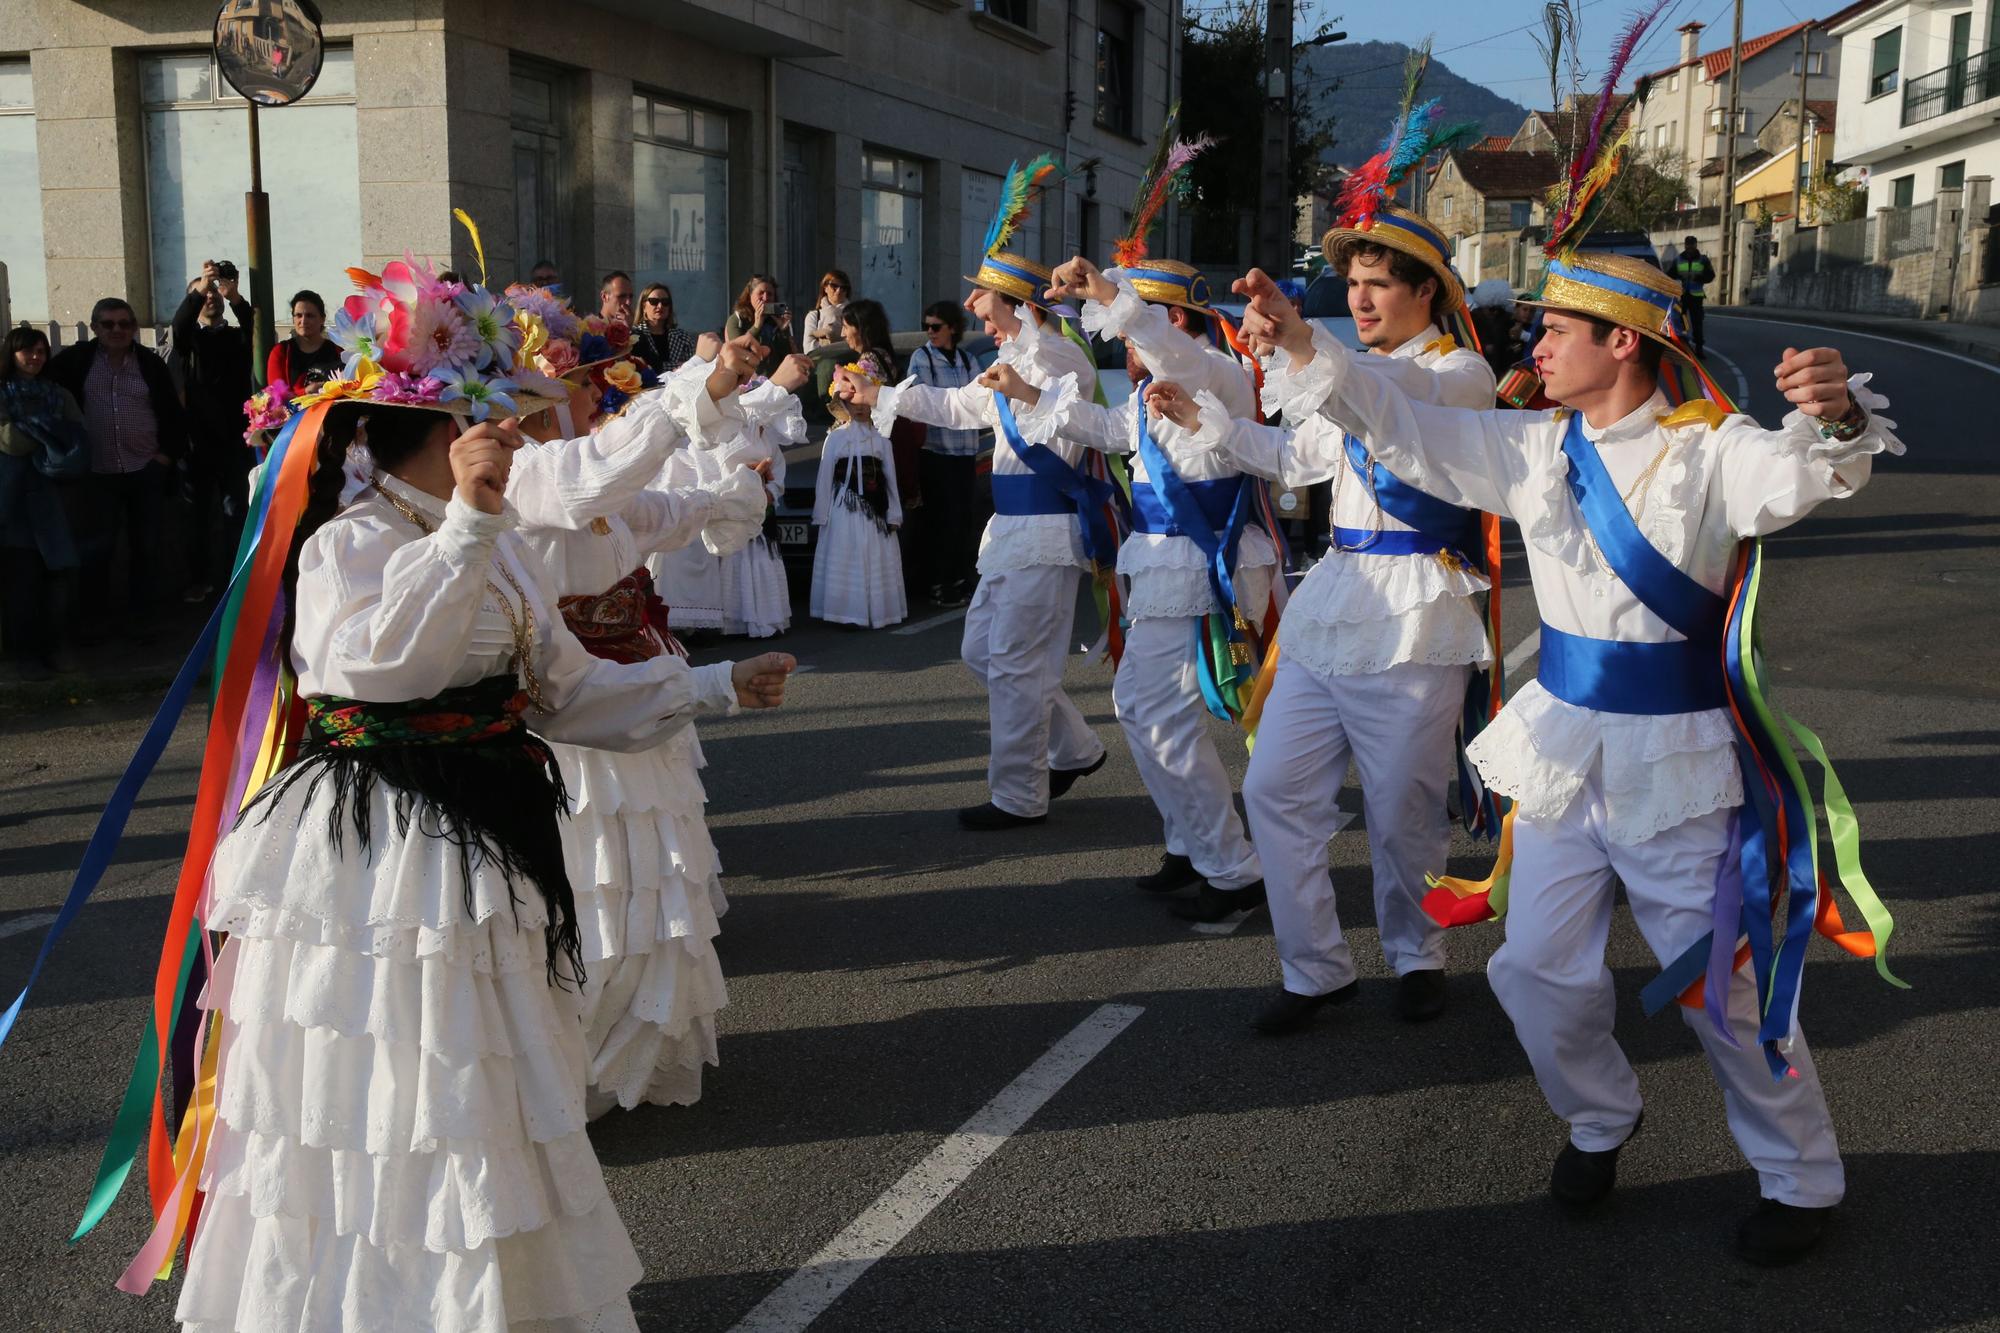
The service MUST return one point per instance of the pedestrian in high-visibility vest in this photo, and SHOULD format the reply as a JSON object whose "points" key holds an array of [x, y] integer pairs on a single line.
{"points": [[1692, 268]]}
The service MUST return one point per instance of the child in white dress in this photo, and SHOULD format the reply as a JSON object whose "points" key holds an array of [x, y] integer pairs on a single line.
{"points": [[858, 564]]}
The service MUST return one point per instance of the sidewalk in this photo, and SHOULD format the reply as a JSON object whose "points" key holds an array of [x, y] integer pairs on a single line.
{"points": [[1979, 341], [113, 669]]}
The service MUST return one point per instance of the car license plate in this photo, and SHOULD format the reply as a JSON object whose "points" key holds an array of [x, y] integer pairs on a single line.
{"points": [[792, 534]]}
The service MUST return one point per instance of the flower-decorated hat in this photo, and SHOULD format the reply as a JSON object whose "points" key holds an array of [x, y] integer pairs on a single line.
{"points": [[1002, 270], [564, 347]]}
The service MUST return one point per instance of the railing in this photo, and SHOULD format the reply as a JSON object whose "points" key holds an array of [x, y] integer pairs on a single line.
{"points": [[1910, 230], [1958, 85]]}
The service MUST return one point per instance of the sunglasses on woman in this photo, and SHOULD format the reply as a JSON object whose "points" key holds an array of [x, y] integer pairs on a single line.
{"points": [[835, 287], [932, 326], [658, 300]]}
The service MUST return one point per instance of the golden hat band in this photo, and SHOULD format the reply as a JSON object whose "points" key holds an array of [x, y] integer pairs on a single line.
{"points": [[1011, 275]]}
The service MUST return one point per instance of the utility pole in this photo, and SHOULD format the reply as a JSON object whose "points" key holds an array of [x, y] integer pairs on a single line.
{"points": [[1799, 161], [1729, 159], [1274, 246]]}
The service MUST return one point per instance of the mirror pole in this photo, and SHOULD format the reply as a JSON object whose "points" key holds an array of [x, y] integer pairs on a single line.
{"points": [[257, 226]]}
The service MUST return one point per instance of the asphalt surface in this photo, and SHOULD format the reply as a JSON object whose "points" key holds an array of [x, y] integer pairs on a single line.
{"points": [[891, 975]]}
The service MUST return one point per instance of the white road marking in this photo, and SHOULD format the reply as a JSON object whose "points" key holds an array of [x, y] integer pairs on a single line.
{"points": [[1742, 385], [32, 921], [1229, 927], [919, 626], [884, 1224], [1522, 651], [1877, 337], [804, 667]]}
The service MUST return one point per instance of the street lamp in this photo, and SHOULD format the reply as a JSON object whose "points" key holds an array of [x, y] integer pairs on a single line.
{"points": [[270, 51]]}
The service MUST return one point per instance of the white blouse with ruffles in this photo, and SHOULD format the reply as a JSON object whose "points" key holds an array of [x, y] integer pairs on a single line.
{"points": [[1354, 612], [1712, 489], [1042, 357], [387, 613]]}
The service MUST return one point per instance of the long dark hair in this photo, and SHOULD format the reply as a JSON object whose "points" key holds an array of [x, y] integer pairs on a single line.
{"points": [[19, 340], [394, 433], [873, 323]]}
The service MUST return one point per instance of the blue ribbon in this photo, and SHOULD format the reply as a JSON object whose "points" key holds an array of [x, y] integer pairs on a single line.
{"points": [[124, 797], [1390, 541], [1092, 499], [1446, 527], [1192, 513], [1017, 494]]}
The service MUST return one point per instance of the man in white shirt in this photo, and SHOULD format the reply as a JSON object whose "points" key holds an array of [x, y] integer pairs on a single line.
{"points": [[1622, 757], [1020, 622], [1161, 311], [1378, 644]]}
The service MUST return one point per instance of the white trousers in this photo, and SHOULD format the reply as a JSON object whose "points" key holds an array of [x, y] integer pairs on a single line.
{"points": [[1165, 722], [1017, 635], [1398, 726], [1552, 981]]}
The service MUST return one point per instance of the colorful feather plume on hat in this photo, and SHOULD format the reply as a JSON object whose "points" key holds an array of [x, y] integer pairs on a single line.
{"points": [[1414, 135], [1593, 162], [1165, 178], [1017, 196]]}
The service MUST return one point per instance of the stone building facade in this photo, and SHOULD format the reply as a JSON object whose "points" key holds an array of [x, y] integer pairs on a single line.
{"points": [[693, 141]]}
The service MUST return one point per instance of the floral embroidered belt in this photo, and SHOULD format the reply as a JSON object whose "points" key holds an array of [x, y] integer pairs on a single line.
{"points": [[627, 622], [465, 715]]}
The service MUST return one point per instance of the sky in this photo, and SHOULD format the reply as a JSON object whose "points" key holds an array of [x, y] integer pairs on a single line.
{"points": [[1472, 37]]}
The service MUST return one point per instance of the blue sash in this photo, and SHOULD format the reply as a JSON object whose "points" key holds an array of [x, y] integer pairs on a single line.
{"points": [[1191, 510], [1092, 500], [1644, 678], [1390, 541], [1445, 527]]}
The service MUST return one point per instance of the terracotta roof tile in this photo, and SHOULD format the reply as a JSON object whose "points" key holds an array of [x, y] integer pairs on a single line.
{"points": [[1506, 174]]}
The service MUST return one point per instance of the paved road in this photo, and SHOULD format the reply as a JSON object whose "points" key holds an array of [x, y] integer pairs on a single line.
{"points": [[892, 978]]}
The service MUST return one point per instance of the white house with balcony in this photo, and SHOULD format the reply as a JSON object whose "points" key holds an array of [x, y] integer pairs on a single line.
{"points": [[1919, 96]]}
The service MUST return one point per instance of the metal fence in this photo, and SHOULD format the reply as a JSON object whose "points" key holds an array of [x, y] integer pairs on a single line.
{"points": [[1911, 230]]}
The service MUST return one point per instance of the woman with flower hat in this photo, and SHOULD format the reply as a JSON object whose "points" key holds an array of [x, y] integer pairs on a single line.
{"points": [[638, 852], [397, 1138], [858, 564]]}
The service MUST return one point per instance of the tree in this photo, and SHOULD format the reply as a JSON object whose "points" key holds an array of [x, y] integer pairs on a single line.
{"points": [[1651, 186], [1222, 57], [1830, 200]]}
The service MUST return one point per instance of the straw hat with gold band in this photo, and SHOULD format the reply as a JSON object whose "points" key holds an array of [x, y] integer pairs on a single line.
{"points": [[1166, 282], [1399, 229], [1013, 275], [1628, 292]]}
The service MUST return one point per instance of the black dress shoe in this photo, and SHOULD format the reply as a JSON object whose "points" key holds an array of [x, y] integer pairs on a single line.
{"points": [[1175, 872], [990, 818], [1218, 904], [1420, 995], [1582, 1179], [1780, 1233], [1062, 779], [1292, 1011]]}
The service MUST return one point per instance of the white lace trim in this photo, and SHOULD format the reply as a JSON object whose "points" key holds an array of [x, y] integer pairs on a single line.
{"points": [[1028, 541], [1801, 438], [1656, 772], [1299, 392], [1111, 321], [1051, 413], [1445, 632]]}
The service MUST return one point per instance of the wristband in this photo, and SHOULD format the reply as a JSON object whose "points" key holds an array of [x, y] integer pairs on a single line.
{"points": [[1848, 426]]}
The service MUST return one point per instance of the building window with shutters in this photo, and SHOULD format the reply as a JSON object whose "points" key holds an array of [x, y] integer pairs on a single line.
{"points": [[680, 206], [1885, 63]]}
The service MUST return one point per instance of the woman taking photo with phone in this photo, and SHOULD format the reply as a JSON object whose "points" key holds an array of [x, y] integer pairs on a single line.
{"points": [[759, 309]]}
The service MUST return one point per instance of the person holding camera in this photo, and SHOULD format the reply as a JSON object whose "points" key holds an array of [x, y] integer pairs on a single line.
{"points": [[215, 357], [759, 310]]}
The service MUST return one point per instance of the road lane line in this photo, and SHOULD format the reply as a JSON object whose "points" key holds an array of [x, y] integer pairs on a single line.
{"points": [[919, 626], [1522, 651], [1742, 385], [1877, 337], [21, 923], [884, 1224], [1229, 927]]}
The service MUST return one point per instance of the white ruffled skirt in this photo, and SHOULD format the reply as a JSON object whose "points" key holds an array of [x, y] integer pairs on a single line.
{"points": [[648, 891], [858, 572], [400, 1144], [756, 599], [689, 581]]}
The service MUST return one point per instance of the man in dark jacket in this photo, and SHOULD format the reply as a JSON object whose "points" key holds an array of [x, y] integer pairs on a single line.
{"points": [[1691, 266], [215, 358], [137, 432]]}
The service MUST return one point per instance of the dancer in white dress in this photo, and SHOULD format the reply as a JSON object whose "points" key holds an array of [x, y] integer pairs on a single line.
{"points": [[858, 565], [745, 592], [399, 1136]]}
